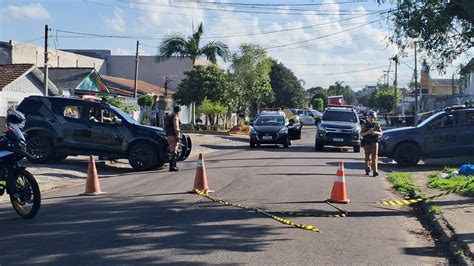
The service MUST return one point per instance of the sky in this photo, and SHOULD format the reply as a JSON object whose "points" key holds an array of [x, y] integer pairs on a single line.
{"points": [[321, 41]]}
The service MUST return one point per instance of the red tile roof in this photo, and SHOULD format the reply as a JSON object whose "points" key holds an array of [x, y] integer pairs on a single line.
{"points": [[10, 72], [127, 84]]}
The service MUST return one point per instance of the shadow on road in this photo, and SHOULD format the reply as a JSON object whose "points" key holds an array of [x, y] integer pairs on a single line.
{"points": [[113, 230]]}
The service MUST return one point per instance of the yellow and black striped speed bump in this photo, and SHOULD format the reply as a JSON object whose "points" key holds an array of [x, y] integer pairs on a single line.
{"points": [[416, 200], [276, 218]]}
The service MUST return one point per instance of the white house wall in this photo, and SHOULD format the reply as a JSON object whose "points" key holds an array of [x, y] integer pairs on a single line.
{"points": [[16, 91], [470, 86], [23, 53]]}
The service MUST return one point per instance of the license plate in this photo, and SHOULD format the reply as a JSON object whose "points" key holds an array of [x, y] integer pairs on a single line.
{"points": [[338, 139], [267, 137]]}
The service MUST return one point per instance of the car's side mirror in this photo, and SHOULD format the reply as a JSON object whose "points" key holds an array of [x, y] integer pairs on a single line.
{"points": [[118, 121]]}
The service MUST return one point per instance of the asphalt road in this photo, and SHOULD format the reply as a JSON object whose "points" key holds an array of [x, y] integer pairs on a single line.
{"points": [[148, 218]]}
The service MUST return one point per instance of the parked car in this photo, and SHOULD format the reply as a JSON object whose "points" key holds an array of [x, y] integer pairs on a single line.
{"points": [[59, 127], [273, 128], [339, 126], [308, 117], [446, 133]]}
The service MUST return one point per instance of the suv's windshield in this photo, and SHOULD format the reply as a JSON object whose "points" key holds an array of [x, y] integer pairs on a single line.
{"points": [[270, 120], [429, 119], [339, 116], [124, 115]]}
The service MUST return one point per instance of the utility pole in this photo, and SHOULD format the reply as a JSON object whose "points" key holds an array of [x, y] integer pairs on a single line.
{"points": [[168, 79], [395, 58], [416, 91], [452, 84], [46, 79], [136, 73]]}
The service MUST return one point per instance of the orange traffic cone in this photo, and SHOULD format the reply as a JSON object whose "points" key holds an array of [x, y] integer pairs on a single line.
{"points": [[338, 194], [200, 179], [92, 183]]}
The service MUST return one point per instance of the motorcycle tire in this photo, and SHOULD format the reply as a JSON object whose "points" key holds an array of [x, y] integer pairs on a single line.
{"points": [[25, 196]]}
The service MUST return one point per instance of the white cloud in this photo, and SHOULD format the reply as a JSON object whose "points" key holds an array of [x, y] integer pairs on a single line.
{"points": [[116, 23], [24, 12], [121, 51]]}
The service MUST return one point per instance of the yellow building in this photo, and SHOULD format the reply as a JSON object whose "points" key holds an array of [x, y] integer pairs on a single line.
{"points": [[431, 86]]}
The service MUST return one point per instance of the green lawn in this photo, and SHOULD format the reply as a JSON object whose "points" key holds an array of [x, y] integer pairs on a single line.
{"points": [[451, 183]]}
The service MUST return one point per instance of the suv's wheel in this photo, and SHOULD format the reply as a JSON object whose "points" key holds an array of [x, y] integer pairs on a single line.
{"points": [[143, 157], [252, 144], [40, 148], [356, 148], [318, 147], [286, 143], [407, 154]]}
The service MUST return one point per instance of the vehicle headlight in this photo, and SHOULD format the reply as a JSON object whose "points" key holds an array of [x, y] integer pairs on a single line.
{"points": [[386, 137], [356, 130], [253, 131], [283, 131], [322, 130]]}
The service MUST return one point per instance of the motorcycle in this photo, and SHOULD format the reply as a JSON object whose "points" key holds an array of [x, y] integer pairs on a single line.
{"points": [[20, 184]]}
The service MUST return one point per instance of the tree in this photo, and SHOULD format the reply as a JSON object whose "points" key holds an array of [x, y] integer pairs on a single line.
{"points": [[384, 98], [313, 90], [212, 110], [204, 82], [318, 104], [251, 71], [444, 29], [339, 89], [288, 91], [190, 48]]}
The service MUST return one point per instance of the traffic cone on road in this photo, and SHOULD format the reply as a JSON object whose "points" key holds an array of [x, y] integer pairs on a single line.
{"points": [[200, 179], [338, 194], [92, 183]]}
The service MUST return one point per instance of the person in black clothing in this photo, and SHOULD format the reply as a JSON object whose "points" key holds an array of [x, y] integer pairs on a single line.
{"points": [[371, 133]]}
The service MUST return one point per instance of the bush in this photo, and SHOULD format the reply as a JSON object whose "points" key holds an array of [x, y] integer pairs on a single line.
{"points": [[146, 100]]}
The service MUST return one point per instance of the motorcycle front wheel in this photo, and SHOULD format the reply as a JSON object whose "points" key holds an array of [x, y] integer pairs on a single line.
{"points": [[25, 196]]}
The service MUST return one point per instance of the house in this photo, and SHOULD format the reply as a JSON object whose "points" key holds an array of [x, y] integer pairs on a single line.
{"points": [[125, 87], [77, 81], [18, 81], [430, 86]]}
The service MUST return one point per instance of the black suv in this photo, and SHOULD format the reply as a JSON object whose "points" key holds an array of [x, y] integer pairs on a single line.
{"points": [[274, 128], [444, 134], [58, 127], [339, 126]]}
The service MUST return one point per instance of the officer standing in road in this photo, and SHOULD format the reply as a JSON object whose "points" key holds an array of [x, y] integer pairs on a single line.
{"points": [[173, 135], [371, 133]]}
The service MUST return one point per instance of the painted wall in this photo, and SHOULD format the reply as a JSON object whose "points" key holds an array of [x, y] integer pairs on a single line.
{"points": [[15, 92], [33, 54]]}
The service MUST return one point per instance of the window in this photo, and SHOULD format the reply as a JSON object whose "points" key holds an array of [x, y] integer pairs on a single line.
{"points": [[72, 111], [450, 120], [101, 115], [270, 121], [340, 116], [469, 118]]}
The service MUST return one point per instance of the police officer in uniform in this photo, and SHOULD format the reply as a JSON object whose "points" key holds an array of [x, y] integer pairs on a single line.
{"points": [[173, 135], [371, 133]]}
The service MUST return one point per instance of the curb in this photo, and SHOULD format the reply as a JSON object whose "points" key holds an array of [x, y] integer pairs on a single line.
{"points": [[441, 227]]}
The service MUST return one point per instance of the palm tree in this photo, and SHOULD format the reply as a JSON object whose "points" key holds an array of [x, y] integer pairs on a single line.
{"points": [[189, 48]]}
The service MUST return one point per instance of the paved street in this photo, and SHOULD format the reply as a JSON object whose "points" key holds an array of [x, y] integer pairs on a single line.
{"points": [[149, 218]]}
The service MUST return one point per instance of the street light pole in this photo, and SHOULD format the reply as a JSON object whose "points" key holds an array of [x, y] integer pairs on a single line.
{"points": [[416, 91]]}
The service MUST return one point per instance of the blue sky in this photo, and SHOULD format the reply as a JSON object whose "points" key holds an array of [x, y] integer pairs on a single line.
{"points": [[322, 41]]}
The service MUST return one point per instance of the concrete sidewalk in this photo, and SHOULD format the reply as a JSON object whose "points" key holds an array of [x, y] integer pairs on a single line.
{"points": [[455, 223]]}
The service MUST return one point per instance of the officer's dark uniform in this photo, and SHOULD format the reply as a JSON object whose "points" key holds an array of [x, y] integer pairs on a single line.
{"points": [[173, 133], [371, 147]]}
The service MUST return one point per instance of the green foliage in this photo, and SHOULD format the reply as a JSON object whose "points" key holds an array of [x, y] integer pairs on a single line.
{"points": [[435, 209], [288, 91], [190, 48], [451, 183], [205, 82], [251, 71], [402, 182], [146, 100], [339, 89], [119, 103], [315, 90], [211, 110], [318, 104], [444, 30], [384, 98]]}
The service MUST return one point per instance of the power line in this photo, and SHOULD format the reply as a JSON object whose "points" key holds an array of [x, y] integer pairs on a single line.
{"points": [[281, 5], [320, 37]]}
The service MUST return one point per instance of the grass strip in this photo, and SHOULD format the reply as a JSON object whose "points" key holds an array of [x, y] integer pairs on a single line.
{"points": [[403, 181], [435, 181]]}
